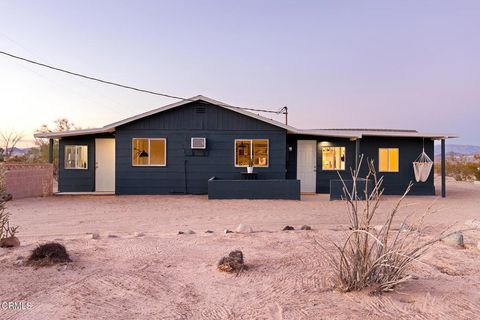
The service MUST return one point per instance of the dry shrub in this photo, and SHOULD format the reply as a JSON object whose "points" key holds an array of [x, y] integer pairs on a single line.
{"points": [[232, 263], [48, 254], [379, 258], [6, 231]]}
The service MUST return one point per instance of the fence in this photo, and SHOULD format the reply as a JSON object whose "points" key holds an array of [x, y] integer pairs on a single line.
{"points": [[29, 180]]}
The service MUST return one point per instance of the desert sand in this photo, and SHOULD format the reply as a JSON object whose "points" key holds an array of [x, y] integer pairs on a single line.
{"points": [[163, 275]]}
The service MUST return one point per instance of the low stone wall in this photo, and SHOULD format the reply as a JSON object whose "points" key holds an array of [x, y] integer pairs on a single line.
{"points": [[29, 180]]}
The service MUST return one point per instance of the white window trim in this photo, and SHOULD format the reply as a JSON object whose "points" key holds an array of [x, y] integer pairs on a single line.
{"points": [[150, 165], [251, 153], [343, 161], [388, 164], [65, 156]]}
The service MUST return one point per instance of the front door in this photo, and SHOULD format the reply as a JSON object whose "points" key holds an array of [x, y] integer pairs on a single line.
{"points": [[307, 165], [104, 164]]}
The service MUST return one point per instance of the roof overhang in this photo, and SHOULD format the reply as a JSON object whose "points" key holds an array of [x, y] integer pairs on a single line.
{"points": [[71, 133]]}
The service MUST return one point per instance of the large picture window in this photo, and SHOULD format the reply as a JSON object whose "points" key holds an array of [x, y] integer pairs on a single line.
{"points": [[333, 158], [149, 152], [256, 150], [388, 159], [76, 157]]}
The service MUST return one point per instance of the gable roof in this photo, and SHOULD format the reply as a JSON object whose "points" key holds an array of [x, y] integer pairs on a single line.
{"points": [[340, 133], [111, 127]]}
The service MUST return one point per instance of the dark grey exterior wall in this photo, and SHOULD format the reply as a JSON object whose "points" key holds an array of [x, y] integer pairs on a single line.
{"points": [[394, 183], [78, 180], [323, 177], [188, 171], [409, 150]]}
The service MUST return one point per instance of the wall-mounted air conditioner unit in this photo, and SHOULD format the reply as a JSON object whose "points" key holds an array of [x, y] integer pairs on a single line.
{"points": [[199, 143]]}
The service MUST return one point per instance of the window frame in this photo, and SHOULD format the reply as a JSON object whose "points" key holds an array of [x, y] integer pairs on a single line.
{"points": [[388, 163], [251, 152], [65, 161], [345, 155], [149, 165]]}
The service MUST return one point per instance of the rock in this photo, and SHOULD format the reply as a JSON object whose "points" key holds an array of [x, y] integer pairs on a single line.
{"points": [[233, 262], [227, 231], [405, 227], [112, 235], [209, 231], [288, 228], [138, 234], [93, 235], [244, 228], [186, 232], [455, 239], [20, 261], [6, 197], [9, 242], [305, 227]]}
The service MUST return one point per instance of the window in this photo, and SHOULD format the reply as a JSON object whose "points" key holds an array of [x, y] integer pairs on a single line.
{"points": [[76, 157], [256, 150], [149, 152], [388, 159], [333, 158]]}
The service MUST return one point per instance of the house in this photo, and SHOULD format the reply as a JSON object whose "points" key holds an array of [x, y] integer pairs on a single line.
{"points": [[177, 148]]}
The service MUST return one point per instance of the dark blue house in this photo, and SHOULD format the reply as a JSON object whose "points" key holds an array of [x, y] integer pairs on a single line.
{"points": [[178, 148]]}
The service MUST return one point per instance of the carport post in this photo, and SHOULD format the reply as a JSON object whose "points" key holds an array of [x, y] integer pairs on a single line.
{"points": [[357, 152], [50, 150], [443, 168]]}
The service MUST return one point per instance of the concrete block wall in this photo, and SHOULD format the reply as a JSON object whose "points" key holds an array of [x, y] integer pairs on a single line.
{"points": [[29, 180]]}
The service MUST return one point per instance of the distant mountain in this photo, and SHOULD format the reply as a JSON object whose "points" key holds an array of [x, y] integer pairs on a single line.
{"points": [[20, 151], [459, 149]]}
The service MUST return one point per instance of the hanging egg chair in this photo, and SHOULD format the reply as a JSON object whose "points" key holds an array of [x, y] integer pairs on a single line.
{"points": [[422, 167]]}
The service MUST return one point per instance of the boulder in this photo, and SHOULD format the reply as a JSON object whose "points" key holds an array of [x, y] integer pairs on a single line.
{"points": [[9, 242], [93, 235], [455, 239], [209, 231], [190, 232], [244, 228], [305, 227], [288, 228], [138, 234], [233, 262], [227, 231]]}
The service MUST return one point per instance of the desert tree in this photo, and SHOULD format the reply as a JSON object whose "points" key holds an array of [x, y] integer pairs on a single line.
{"points": [[9, 140]]}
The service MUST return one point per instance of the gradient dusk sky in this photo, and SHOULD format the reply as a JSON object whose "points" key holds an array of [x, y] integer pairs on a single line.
{"points": [[353, 64]]}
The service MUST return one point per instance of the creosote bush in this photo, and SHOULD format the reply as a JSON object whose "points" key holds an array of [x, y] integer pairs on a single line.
{"points": [[48, 254], [376, 258]]}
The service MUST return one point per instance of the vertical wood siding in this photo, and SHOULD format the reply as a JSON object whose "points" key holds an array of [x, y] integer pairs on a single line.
{"points": [[188, 171]]}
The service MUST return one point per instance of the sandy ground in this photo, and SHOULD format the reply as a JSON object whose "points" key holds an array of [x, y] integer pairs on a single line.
{"points": [[163, 275]]}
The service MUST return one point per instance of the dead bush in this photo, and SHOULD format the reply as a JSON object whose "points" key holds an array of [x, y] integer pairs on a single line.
{"points": [[232, 263], [48, 254], [6, 231], [376, 258]]}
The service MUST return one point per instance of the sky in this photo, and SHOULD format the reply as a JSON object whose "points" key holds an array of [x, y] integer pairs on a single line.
{"points": [[335, 64]]}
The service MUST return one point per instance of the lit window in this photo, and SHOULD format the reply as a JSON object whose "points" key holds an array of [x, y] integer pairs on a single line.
{"points": [[254, 151], [149, 152], [388, 159], [76, 157], [333, 158]]}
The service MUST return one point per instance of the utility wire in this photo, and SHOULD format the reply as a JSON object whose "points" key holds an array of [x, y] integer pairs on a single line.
{"points": [[281, 111]]}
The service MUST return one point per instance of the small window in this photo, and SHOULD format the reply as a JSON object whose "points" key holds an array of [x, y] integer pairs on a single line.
{"points": [[388, 159], [149, 152], [333, 158], [255, 150], [76, 157]]}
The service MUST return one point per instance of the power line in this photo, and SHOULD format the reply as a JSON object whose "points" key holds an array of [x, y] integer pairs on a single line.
{"points": [[281, 111]]}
